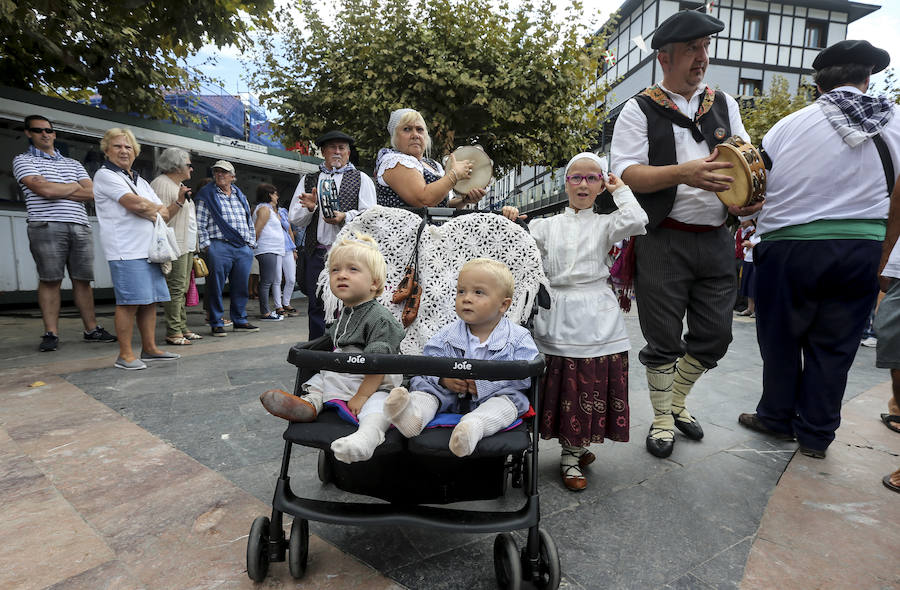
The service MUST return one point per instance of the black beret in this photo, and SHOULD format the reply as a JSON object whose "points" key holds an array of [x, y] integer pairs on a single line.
{"points": [[332, 136], [686, 25], [853, 52]]}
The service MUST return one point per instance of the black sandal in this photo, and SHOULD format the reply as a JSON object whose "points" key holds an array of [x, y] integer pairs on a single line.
{"points": [[892, 421]]}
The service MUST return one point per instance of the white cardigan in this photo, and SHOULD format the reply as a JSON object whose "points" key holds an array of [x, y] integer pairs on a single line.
{"points": [[584, 319]]}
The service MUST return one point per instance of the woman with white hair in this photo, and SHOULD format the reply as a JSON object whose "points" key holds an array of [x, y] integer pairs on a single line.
{"points": [[406, 177], [175, 168], [127, 208]]}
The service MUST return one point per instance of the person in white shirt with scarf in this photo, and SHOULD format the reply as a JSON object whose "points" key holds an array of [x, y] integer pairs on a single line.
{"points": [[833, 167]]}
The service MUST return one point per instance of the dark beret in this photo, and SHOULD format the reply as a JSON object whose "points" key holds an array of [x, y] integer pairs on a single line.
{"points": [[686, 25], [852, 52], [334, 135]]}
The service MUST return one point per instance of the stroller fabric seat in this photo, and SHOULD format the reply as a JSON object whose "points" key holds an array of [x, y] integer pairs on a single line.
{"points": [[329, 427], [432, 442], [436, 442]]}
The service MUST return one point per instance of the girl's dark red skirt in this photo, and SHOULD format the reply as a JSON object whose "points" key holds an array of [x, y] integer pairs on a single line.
{"points": [[585, 400]]}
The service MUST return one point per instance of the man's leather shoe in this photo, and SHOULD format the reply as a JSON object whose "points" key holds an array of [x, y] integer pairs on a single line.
{"points": [[660, 447], [814, 453], [691, 429], [753, 422]]}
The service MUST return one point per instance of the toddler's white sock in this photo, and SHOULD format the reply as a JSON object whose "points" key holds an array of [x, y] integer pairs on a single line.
{"points": [[360, 445], [490, 417], [410, 411]]}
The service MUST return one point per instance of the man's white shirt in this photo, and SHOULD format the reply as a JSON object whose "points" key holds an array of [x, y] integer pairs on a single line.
{"points": [[326, 233], [630, 146], [815, 175]]}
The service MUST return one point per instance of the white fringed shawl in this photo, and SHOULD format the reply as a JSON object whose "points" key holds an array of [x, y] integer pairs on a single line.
{"points": [[442, 252]]}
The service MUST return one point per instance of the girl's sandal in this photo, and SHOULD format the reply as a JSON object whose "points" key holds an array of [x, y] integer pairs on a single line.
{"points": [[586, 458], [572, 476], [193, 336], [178, 340]]}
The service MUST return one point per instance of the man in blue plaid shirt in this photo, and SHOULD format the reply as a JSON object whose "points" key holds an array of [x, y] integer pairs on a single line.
{"points": [[227, 238]]}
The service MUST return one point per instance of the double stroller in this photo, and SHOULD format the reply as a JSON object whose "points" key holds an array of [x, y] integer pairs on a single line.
{"points": [[416, 477]]}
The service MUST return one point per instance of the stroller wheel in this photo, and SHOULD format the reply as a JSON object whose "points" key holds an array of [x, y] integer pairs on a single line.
{"points": [[547, 576], [324, 468], [507, 563], [258, 549], [298, 547]]}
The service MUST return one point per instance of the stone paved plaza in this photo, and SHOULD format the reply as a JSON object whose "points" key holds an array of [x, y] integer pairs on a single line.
{"points": [[691, 521]]}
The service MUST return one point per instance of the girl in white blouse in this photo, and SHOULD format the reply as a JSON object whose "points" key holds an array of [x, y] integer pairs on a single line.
{"points": [[585, 389]]}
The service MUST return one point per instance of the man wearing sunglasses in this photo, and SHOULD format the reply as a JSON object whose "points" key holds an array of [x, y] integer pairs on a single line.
{"points": [[59, 233], [663, 147]]}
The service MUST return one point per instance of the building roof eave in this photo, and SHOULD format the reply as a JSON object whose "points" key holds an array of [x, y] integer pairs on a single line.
{"points": [[855, 10]]}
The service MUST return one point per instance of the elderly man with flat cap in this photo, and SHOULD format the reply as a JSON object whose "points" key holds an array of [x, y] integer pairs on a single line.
{"points": [[322, 204], [833, 168], [663, 147], [226, 234]]}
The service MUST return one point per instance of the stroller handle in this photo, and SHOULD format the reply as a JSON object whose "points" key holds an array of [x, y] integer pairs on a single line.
{"points": [[460, 368]]}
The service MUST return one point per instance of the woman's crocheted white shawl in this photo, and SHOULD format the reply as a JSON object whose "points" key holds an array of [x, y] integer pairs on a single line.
{"points": [[442, 252]]}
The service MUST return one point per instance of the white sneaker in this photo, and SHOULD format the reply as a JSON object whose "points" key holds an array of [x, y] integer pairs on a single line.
{"points": [[272, 317], [870, 342]]}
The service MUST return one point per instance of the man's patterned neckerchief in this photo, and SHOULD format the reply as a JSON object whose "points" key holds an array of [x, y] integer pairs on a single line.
{"points": [[659, 96]]}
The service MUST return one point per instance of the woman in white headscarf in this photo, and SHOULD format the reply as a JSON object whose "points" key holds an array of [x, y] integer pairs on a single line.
{"points": [[406, 177], [585, 389]]}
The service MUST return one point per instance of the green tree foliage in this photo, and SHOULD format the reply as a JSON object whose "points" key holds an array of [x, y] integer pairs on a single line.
{"points": [[510, 79], [129, 51], [763, 111], [887, 87]]}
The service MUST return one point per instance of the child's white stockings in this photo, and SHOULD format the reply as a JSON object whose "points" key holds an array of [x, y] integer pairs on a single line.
{"points": [[360, 445], [410, 411], [490, 417]]}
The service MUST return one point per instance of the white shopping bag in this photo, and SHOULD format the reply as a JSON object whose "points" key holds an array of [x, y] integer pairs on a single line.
{"points": [[163, 246]]}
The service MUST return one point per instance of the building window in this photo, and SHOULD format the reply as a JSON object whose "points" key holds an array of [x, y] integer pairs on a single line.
{"points": [[816, 33], [748, 87], [755, 25]]}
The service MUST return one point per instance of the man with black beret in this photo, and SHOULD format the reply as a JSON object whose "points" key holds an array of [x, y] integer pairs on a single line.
{"points": [[834, 164], [663, 147], [322, 204]]}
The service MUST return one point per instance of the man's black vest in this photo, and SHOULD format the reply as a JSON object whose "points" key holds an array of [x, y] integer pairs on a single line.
{"points": [[714, 129], [348, 199]]}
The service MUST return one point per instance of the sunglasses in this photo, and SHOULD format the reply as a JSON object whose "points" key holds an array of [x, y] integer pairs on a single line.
{"points": [[576, 179], [46, 130]]}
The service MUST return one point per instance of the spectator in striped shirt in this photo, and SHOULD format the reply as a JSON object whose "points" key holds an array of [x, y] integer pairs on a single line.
{"points": [[227, 237], [59, 233]]}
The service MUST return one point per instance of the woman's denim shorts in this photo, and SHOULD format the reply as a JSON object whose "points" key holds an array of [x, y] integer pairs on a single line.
{"points": [[138, 282]]}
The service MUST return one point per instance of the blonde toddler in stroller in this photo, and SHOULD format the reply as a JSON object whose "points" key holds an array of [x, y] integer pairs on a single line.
{"points": [[484, 292], [356, 273]]}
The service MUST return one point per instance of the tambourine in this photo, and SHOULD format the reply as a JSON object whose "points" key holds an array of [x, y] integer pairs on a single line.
{"points": [[482, 168], [749, 173]]}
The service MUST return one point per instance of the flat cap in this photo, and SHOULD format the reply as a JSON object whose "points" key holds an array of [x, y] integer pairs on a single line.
{"points": [[852, 52], [334, 135], [224, 165], [686, 25]]}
